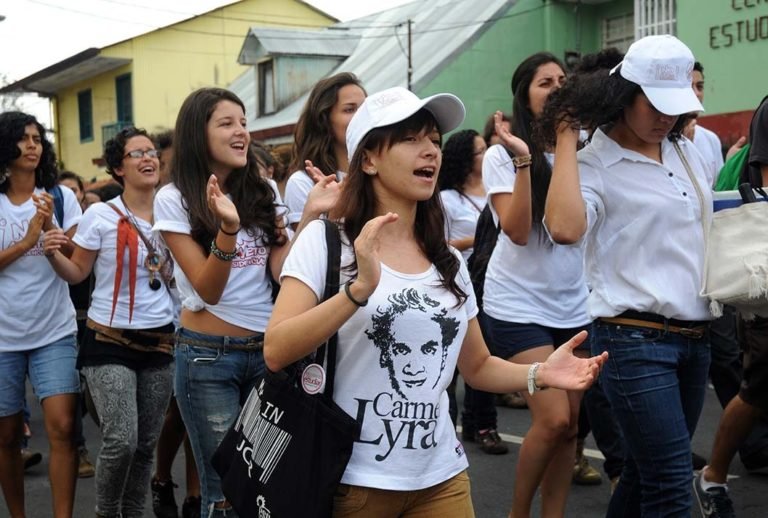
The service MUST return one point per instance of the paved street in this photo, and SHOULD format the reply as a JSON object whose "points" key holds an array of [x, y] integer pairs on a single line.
{"points": [[491, 475]]}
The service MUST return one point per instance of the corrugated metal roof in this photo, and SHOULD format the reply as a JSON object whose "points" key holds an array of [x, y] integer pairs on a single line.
{"points": [[262, 41], [441, 30]]}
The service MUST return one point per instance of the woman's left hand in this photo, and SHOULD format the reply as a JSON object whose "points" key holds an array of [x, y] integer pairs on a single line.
{"points": [[563, 370], [44, 204], [53, 240]]}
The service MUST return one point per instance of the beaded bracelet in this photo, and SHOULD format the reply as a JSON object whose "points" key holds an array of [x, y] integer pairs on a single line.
{"points": [[221, 255]]}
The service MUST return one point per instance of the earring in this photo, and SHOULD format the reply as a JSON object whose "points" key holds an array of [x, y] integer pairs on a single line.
{"points": [[4, 175], [372, 172]]}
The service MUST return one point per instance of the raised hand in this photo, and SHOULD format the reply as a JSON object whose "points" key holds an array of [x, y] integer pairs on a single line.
{"points": [[736, 147], [44, 204], [221, 206], [53, 240], [515, 145], [324, 194], [565, 371], [368, 253]]}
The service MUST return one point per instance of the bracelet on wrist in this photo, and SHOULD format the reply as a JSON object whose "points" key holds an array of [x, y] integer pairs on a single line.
{"points": [[221, 229], [532, 370], [521, 161], [348, 293], [221, 255]]}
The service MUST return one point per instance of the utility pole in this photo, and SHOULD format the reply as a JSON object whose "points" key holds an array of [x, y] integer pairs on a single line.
{"points": [[410, 54]]}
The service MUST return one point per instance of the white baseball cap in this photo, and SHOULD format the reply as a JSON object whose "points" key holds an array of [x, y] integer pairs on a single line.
{"points": [[662, 66], [397, 104]]}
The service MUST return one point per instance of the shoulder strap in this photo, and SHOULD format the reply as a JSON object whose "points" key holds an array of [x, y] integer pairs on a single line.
{"points": [[332, 274], [58, 204]]}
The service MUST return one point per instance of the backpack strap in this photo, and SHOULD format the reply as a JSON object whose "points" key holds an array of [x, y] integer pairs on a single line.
{"points": [[58, 204]]}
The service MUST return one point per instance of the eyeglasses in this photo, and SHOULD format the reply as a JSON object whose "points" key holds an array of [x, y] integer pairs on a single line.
{"points": [[138, 153]]}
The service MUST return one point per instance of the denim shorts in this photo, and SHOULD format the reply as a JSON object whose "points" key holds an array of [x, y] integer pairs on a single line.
{"points": [[51, 370], [511, 338]]}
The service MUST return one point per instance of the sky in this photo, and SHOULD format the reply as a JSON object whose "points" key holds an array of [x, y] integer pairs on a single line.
{"points": [[39, 33]]}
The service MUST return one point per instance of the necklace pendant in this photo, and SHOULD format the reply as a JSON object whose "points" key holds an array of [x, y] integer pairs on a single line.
{"points": [[153, 262], [154, 283]]}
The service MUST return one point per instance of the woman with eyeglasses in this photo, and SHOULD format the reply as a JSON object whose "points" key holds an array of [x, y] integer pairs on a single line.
{"points": [[127, 351]]}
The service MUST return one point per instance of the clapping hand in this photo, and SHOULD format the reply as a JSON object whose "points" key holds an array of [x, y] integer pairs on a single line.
{"points": [[324, 194], [221, 206], [368, 252], [44, 204], [514, 144]]}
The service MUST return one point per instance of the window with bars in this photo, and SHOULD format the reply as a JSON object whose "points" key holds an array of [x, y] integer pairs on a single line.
{"points": [[655, 17], [619, 31]]}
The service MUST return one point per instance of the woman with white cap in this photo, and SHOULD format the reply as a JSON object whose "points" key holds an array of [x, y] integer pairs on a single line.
{"points": [[405, 316], [638, 197]]}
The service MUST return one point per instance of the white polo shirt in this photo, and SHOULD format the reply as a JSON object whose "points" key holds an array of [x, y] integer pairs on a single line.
{"points": [[644, 242]]}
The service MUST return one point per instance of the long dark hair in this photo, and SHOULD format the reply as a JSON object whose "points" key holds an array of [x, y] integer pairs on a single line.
{"points": [[252, 195], [12, 126], [458, 159], [522, 127], [591, 100], [313, 136], [357, 203]]}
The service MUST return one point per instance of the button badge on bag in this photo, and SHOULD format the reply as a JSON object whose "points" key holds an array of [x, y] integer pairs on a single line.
{"points": [[313, 379]]}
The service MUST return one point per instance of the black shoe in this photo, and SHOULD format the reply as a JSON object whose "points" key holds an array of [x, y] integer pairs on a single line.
{"points": [[714, 502], [31, 458], [698, 461], [163, 501], [191, 507], [757, 462], [490, 442]]}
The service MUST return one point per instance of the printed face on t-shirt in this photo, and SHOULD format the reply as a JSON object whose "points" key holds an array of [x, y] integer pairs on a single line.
{"points": [[414, 356]]}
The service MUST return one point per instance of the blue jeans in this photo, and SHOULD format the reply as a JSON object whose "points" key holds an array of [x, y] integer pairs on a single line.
{"points": [[655, 382], [212, 384]]}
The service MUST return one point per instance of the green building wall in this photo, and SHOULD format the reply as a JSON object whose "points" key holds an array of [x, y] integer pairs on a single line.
{"points": [[730, 39], [481, 75]]}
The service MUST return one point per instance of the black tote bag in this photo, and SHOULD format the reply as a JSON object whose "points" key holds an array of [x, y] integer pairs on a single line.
{"points": [[285, 454]]}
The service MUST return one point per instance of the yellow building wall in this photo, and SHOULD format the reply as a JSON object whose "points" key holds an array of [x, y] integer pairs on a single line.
{"points": [[167, 65]]}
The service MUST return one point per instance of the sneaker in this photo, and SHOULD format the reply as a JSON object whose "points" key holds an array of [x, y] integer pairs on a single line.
{"points": [[163, 501], [714, 502], [490, 442], [584, 474], [191, 507], [85, 468], [512, 400], [30, 458]]}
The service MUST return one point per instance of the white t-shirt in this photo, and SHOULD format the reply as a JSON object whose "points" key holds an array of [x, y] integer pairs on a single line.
{"points": [[540, 283], [461, 215], [396, 357], [708, 144], [644, 244], [151, 308], [297, 191], [35, 308], [247, 298]]}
